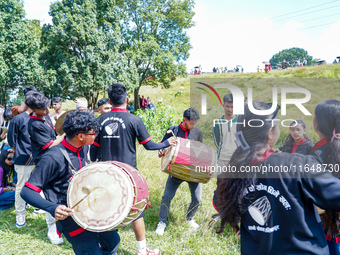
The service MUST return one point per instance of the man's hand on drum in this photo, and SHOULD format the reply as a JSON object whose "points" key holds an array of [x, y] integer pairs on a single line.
{"points": [[172, 140], [161, 153], [62, 212]]}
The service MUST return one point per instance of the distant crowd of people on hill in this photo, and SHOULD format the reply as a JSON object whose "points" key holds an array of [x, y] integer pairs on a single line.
{"points": [[196, 71], [220, 69]]}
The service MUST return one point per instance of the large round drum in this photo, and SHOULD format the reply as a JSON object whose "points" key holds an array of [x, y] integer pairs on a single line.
{"points": [[118, 195], [189, 160]]}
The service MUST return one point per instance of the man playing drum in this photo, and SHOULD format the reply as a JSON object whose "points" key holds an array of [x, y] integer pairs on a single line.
{"points": [[52, 175], [186, 130], [118, 132]]}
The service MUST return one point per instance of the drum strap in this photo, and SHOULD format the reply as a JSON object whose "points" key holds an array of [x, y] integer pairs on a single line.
{"points": [[176, 130], [72, 168]]}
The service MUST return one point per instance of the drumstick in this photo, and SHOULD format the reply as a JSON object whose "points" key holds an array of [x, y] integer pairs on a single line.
{"points": [[87, 190]]}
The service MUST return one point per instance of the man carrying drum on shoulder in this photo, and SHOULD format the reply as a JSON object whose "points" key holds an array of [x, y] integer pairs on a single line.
{"points": [[118, 132], [52, 175], [186, 130]]}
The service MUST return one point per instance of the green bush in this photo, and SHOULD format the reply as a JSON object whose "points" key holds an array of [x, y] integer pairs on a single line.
{"points": [[158, 120]]}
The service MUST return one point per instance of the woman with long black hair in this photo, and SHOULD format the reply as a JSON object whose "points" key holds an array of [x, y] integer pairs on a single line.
{"points": [[327, 124], [273, 194], [7, 190], [297, 141]]}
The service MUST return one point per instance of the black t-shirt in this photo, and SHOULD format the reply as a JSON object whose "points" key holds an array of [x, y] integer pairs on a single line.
{"points": [[19, 139], [282, 218], [195, 134], [118, 132], [52, 172], [42, 135]]}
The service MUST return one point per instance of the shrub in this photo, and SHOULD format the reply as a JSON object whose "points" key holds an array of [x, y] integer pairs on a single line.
{"points": [[158, 120]]}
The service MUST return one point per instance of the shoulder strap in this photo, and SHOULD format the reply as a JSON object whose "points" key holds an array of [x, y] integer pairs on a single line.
{"points": [[176, 130], [73, 169]]}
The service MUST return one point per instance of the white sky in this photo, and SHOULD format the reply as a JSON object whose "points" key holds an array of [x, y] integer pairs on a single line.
{"points": [[244, 32]]}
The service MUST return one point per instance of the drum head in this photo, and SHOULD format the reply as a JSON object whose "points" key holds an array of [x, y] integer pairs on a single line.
{"points": [[109, 201], [60, 121], [169, 155]]}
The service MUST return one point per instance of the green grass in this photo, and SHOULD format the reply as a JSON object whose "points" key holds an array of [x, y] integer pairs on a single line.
{"points": [[177, 239]]}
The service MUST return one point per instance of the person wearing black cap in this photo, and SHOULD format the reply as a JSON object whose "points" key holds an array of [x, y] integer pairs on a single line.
{"points": [[56, 103], [187, 130], [117, 141], [104, 106]]}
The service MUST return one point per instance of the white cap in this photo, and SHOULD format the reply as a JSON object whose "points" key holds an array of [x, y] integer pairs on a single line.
{"points": [[81, 103]]}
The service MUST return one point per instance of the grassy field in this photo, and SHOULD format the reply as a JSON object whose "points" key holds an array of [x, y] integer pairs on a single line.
{"points": [[178, 239]]}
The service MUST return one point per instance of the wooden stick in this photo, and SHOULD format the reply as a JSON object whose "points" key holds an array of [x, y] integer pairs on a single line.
{"points": [[74, 206]]}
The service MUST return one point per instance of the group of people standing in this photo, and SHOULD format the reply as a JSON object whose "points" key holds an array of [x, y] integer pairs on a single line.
{"points": [[55, 158], [275, 212], [145, 103]]}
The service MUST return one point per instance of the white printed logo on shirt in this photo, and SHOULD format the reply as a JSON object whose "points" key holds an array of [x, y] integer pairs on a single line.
{"points": [[112, 128], [260, 210]]}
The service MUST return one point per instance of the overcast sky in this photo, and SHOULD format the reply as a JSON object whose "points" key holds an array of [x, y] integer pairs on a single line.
{"points": [[248, 32]]}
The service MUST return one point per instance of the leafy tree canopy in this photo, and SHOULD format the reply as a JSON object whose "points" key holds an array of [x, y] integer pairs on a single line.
{"points": [[155, 39], [290, 56], [82, 48], [19, 49]]}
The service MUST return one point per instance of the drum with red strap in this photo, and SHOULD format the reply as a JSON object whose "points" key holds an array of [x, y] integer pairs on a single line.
{"points": [[118, 195], [189, 160]]}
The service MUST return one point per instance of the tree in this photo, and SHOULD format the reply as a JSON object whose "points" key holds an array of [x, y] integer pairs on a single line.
{"points": [[82, 48], [19, 49], [155, 39], [290, 56]]}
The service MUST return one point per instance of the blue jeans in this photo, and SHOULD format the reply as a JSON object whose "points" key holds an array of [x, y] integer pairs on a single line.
{"points": [[171, 187], [87, 242], [7, 199]]}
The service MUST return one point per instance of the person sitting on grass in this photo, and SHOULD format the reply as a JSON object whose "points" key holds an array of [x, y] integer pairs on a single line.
{"points": [[7, 190]]}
